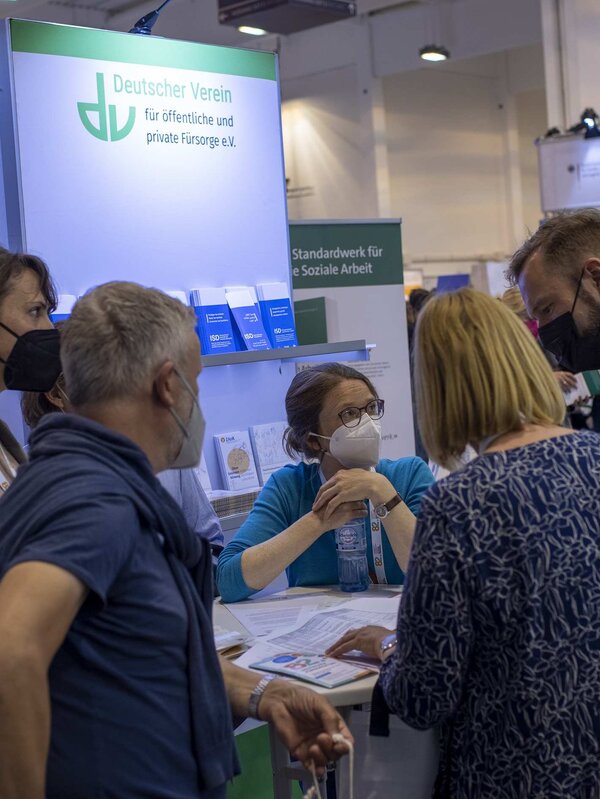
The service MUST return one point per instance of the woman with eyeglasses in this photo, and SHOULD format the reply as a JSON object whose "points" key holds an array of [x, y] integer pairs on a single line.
{"points": [[334, 418]]}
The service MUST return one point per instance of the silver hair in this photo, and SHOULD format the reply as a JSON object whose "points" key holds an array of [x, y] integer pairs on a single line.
{"points": [[117, 337]]}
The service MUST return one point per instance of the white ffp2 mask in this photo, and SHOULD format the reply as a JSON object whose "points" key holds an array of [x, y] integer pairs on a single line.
{"points": [[193, 433], [356, 447]]}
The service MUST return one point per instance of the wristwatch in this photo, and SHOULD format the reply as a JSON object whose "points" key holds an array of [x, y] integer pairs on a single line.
{"points": [[387, 644], [381, 511]]}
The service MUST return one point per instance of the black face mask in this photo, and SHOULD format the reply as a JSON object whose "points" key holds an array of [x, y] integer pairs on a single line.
{"points": [[34, 361], [575, 353]]}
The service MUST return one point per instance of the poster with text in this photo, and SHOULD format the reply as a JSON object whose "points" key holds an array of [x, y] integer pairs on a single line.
{"points": [[148, 159], [348, 285]]}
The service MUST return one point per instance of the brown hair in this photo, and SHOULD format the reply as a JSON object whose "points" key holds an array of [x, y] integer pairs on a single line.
{"points": [[304, 402], [478, 373], [35, 404], [12, 266], [564, 240]]}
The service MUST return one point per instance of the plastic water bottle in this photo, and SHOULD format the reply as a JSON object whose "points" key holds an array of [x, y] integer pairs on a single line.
{"points": [[351, 543]]}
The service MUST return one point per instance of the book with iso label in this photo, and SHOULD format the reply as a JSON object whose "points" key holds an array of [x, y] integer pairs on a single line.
{"points": [[316, 669]]}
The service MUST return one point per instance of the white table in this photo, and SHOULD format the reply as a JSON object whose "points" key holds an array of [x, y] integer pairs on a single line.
{"points": [[420, 748]]}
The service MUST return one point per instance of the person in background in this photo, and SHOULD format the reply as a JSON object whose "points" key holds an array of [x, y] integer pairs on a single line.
{"points": [[110, 684], [29, 346], [558, 273], [416, 302], [333, 412], [182, 484], [498, 628], [513, 300]]}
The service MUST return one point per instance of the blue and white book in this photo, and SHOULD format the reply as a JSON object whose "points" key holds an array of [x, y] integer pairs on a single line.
{"points": [[236, 460], [63, 308], [277, 315], [269, 453], [246, 315], [214, 320]]}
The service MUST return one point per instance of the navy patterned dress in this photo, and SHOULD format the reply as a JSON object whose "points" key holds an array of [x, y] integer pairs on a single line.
{"points": [[499, 626]]}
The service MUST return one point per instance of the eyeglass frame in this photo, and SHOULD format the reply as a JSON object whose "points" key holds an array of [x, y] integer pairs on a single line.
{"points": [[362, 410]]}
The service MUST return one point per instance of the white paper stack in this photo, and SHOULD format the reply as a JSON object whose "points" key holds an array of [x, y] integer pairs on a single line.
{"points": [[269, 454], [236, 460]]}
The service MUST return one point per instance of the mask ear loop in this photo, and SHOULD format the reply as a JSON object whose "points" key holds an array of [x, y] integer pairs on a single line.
{"points": [[578, 287]]}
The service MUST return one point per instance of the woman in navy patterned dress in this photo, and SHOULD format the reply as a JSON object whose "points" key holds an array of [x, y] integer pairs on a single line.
{"points": [[498, 636]]}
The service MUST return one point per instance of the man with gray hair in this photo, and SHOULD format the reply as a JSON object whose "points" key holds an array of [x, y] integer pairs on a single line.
{"points": [[558, 272], [110, 685]]}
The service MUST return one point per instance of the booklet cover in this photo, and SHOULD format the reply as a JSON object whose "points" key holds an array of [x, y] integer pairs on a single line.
{"points": [[267, 443], [63, 308], [234, 453], [247, 319], [214, 320], [202, 474], [588, 385], [317, 669], [277, 315]]}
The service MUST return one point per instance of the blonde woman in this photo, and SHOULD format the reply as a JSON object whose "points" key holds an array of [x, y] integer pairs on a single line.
{"points": [[498, 629]]}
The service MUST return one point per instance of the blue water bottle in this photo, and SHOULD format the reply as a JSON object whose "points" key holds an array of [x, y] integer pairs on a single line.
{"points": [[351, 543]]}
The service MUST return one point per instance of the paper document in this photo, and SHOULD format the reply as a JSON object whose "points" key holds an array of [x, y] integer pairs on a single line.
{"points": [[323, 629], [229, 643], [262, 617]]}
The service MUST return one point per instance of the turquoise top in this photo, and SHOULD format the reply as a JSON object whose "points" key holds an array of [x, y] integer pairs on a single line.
{"points": [[288, 495]]}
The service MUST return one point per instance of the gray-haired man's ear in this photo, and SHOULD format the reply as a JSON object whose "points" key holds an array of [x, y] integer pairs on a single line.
{"points": [[592, 266]]}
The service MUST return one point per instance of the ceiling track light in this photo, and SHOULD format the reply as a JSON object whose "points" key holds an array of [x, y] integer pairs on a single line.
{"points": [[434, 52]]}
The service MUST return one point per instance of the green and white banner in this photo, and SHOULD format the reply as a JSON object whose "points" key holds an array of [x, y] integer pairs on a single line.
{"points": [[149, 159], [348, 284]]}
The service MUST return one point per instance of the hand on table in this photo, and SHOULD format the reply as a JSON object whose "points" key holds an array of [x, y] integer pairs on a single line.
{"points": [[366, 639], [305, 722], [352, 485]]}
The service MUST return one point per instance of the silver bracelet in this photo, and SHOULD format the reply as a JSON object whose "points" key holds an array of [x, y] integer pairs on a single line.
{"points": [[256, 695]]}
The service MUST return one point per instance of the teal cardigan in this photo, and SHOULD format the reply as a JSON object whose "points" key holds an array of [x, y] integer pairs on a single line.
{"points": [[287, 496]]}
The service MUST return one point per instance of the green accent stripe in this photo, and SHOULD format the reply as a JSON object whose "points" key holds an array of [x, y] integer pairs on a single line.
{"points": [[127, 48]]}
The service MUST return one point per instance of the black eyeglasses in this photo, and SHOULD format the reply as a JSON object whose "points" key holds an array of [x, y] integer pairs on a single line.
{"points": [[351, 417]]}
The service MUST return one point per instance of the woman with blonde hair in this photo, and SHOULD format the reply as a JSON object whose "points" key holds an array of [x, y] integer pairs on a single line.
{"points": [[498, 629]]}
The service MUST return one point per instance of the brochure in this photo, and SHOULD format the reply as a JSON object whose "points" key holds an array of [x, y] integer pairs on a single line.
{"points": [[317, 669], [267, 442], [277, 314], [588, 385], [214, 320], [234, 453], [179, 295], [247, 319], [202, 474]]}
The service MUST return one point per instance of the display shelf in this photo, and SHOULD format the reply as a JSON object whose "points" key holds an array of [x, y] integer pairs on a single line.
{"points": [[287, 354]]}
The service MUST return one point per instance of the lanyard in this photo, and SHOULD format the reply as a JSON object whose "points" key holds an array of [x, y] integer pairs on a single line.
{"points": [[376, 539]]}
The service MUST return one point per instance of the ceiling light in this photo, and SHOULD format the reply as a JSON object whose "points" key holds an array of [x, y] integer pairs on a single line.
{"points": [[433, 52], [252, 31]]}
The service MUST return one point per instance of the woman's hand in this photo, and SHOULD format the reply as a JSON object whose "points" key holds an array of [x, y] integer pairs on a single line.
{"points": [[366, 639], [351, 485], [340, 516]]}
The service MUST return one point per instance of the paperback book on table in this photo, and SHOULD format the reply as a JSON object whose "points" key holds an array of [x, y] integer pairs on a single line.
{"points": [[214, 320], [316, 669], [236, 461], [251, 334], [269, 453], [277, 315]]}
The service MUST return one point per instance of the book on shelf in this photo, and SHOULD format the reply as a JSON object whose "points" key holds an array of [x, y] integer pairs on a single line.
{"points": [[236, 460], [251, 334], [277, 315], [269, 452], [215, 328]]}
